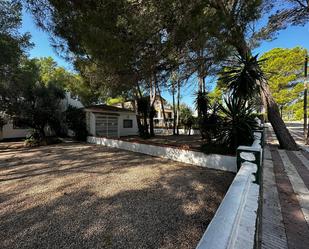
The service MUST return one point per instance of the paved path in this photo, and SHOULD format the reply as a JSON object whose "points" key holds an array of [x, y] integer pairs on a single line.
{"points": [[296, 129], [285, 197]]}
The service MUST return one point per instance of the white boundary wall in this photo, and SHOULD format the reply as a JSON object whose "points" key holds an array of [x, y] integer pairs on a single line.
{"points": [[219, 162], [234, 224], [169, 131]]}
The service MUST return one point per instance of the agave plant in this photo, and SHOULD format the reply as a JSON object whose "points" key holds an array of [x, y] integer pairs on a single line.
{"points": [[238, 123]]}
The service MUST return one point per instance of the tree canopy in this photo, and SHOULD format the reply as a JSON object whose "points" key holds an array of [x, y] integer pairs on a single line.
{"points": [[284, 69], [30, 100], [119, 45]]}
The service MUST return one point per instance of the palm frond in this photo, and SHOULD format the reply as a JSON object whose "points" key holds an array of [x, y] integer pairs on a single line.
{"points": [[242, 78]]}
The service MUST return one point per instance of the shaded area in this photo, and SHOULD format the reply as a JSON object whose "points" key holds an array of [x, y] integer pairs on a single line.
{"points": [[192, 142], [86, 196]]}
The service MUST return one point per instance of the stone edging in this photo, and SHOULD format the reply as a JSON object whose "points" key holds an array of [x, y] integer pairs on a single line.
{"points": [[234, 223], [214, 161]]}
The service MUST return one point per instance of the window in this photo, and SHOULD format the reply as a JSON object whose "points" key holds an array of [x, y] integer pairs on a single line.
{"points": [[127, 123], [19, 124]]}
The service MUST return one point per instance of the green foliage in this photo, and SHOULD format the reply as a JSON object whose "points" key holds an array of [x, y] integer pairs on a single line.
{"points": [[23, 94], [72, 82], [186, 117], [227, 126], [30, 100], [117, 100], [284, 68], [238, 123], [202, 103], [76, 121], [35, 139], [12, 43], [216, 95], [241, 77], [294, 12]]}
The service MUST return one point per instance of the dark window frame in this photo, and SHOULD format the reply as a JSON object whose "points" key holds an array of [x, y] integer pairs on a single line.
{"points": [[126, 125]]}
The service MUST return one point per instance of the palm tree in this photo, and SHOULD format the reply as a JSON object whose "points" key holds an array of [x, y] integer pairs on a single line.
{"points": [[245, 79]]}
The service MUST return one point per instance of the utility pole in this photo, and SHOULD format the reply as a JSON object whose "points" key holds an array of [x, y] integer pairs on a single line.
{"points": [[305, 96]]}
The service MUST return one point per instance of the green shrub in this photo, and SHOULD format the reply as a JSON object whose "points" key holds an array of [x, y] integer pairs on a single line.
{"points": [[238, 123], [76, 121], [36, 139]]}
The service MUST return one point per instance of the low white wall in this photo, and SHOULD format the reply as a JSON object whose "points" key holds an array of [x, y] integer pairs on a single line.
{"points": [[169, 131], [234, 224], [219, 162]]}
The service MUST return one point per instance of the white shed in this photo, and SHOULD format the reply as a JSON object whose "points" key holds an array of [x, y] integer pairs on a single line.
{"points": [[110, 121]]}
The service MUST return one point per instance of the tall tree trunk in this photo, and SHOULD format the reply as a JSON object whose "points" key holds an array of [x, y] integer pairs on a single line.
{"points": [[283, 135], [200, 70], [307, 138], [204, 85], [152, 102], [174, 109], [143, 129], [138, 118], [200, 84], [178, 105]]}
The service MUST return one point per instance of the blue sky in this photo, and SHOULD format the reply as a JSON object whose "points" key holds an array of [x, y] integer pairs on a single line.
{"points": [[288, 38], [42, 47]]}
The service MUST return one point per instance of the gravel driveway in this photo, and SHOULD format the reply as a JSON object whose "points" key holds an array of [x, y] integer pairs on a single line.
{"points": [[86, 196]]}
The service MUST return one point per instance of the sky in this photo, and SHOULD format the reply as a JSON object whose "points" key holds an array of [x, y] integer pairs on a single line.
{"points": [[288, 38]]}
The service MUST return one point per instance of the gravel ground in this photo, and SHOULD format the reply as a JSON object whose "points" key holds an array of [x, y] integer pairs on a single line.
{"points": [[86, 196]]}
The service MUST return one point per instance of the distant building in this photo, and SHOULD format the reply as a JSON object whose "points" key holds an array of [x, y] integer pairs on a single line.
{"points": [[159, 117], [168, 110], [12, 129]]}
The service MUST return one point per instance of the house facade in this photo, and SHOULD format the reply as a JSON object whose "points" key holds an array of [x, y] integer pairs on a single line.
{"points": [[168, 111], [110, 121], [159, 117], [13, 130]]}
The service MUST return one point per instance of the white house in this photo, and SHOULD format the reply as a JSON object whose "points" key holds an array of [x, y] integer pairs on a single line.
{"points": [[159, 117], [110, 121], [168, 110], [12, 129]]}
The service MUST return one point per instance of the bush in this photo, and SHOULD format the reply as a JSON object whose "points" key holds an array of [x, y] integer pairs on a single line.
{"points": [[228, 126], [238, 123], [36, 139], [76, 121], [211, 125]]}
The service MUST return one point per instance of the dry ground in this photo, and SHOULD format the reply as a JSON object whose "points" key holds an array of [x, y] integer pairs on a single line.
{"points": [[192, 142], [87, 196]]}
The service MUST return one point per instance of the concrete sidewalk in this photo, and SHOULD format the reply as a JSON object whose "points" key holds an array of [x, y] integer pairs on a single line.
{"points": [[285, 197]]}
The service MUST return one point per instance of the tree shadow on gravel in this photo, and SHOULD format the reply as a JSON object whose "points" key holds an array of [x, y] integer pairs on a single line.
{"points": [[171, 210]]}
